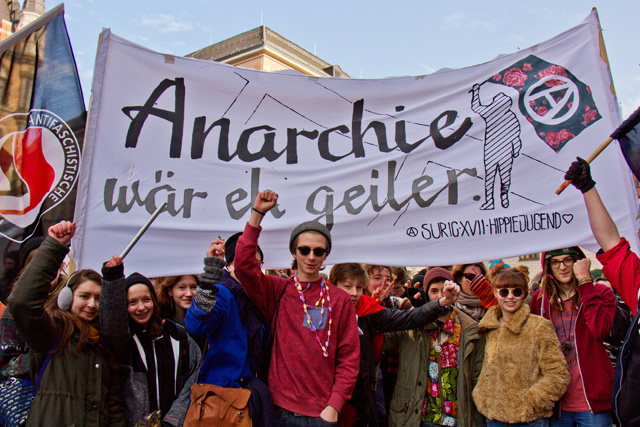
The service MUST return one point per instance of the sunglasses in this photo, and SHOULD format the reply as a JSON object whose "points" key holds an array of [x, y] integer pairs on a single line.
{"points": [[469, 276], [516, 292], [306, 250]]}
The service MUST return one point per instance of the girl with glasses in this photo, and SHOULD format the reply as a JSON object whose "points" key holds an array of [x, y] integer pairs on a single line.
{"points": [[524, 372], [582, 314]]}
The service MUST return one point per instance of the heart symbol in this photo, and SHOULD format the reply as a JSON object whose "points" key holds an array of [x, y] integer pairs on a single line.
{"points": [[567, 218]]}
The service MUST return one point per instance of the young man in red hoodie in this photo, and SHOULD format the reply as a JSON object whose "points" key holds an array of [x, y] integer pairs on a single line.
{"points": [[316, 350]]}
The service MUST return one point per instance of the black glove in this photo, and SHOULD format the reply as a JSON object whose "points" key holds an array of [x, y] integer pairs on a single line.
{"points": [[579, 174], [111, 274]]}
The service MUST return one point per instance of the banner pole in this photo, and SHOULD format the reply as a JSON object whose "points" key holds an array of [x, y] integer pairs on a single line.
{"points": [[143, 229], [589, 159]]}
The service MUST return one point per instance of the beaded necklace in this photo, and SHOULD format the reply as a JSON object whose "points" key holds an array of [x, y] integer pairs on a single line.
{"points": [[324, 295]]}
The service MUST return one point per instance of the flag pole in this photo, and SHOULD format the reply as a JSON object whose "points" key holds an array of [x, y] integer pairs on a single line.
{"points": [[620, 132], [143, 229], [589, 159]]}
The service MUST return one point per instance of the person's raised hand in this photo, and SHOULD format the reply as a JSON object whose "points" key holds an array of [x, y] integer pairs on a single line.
{"points": [[582, 268], [216, 249], [382, 293], [62, 231], [451, 293], [114, 261], [579, 174], [265, 201]]}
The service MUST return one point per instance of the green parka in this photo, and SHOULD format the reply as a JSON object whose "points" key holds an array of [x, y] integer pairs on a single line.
{"points": [[78, 386], [411, 385]]}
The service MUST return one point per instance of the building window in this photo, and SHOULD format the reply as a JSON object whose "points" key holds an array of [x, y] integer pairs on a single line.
{"points": [[530, 257]]}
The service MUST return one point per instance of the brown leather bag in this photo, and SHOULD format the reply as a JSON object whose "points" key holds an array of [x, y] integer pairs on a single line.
{"points": [[212, 405]]}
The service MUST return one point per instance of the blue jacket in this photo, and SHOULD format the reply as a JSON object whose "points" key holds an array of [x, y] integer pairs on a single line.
{"points": [[227, 360]]}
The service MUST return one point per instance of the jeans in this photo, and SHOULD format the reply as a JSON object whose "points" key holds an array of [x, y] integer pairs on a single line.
{"points": [[582, 419], [291, 419], [541, 422]]}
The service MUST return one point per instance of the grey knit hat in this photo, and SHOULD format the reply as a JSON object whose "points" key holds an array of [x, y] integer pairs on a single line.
{"points": [[310, 226]]}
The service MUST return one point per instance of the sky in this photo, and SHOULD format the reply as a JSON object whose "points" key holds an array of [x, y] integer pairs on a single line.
{"points": [[367, 39]]}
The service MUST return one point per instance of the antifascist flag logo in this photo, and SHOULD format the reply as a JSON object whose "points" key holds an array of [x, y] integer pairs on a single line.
{"points": [[553, 100], [38, 164], [42, 118]]}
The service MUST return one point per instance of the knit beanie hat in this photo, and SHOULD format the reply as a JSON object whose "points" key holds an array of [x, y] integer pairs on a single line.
{"points": [[139, 279], [436, 273], [230, 248], [310, 226], [573, 250]]}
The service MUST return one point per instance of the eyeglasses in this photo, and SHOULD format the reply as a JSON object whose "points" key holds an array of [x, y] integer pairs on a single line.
{"points": [[469, 276], [306, 250], [567, 262], [516, 292]]}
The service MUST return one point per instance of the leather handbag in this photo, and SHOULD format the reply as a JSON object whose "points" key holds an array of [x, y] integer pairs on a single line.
{"points": [[212, 405]]}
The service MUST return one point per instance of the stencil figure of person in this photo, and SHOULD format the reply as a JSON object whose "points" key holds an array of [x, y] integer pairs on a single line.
{"points": [[501, 143]]}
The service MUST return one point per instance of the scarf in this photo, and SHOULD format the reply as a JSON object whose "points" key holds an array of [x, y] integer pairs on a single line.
{"points": [[471, 305], [94, 334]]}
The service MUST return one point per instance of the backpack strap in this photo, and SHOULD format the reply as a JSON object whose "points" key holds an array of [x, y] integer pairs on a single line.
{"points": [[46, 361]]}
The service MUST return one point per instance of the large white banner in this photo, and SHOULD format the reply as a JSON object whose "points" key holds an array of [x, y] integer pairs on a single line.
{"points": [[456, 166]]}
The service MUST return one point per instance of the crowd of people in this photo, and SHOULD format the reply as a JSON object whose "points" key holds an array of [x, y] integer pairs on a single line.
{"points": [[364, 345]]}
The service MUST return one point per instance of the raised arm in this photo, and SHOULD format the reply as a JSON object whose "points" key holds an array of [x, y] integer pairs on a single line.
{"points": [[114, 318], [201, 316], [26, 302], [262, 290], [602, 225], [390, 319]]}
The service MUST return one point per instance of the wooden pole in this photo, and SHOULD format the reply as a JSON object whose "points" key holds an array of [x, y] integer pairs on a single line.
{"points": [[589, 159]]}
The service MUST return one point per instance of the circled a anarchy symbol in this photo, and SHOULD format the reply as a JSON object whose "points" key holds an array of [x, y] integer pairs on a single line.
{"points": [[412, 232], [567, 104]]}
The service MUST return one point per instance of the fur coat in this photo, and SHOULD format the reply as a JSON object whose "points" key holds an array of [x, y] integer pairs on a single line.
{"points": [[524, 371]]}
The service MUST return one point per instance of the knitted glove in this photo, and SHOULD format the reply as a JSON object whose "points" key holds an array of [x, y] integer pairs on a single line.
{"points": [[206, 299], [213, 269], [482, 288], [579, 174]]}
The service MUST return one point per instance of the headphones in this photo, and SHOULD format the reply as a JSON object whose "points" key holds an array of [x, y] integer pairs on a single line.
{"points": [[65, 296]]}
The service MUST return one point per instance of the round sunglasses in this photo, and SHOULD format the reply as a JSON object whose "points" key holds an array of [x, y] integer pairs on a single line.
{"points": [[516, 292]]}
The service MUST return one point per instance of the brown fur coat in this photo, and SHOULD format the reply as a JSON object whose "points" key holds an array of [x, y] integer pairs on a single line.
{"points": [[524, 371]]}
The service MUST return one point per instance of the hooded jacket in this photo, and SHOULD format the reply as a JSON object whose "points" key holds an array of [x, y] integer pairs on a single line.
{"points": [[146, 363], [593, 323], [622, 268], [524, 371]]}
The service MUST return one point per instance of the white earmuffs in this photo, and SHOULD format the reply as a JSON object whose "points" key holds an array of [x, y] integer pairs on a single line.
{"points": [[65, 296]]}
